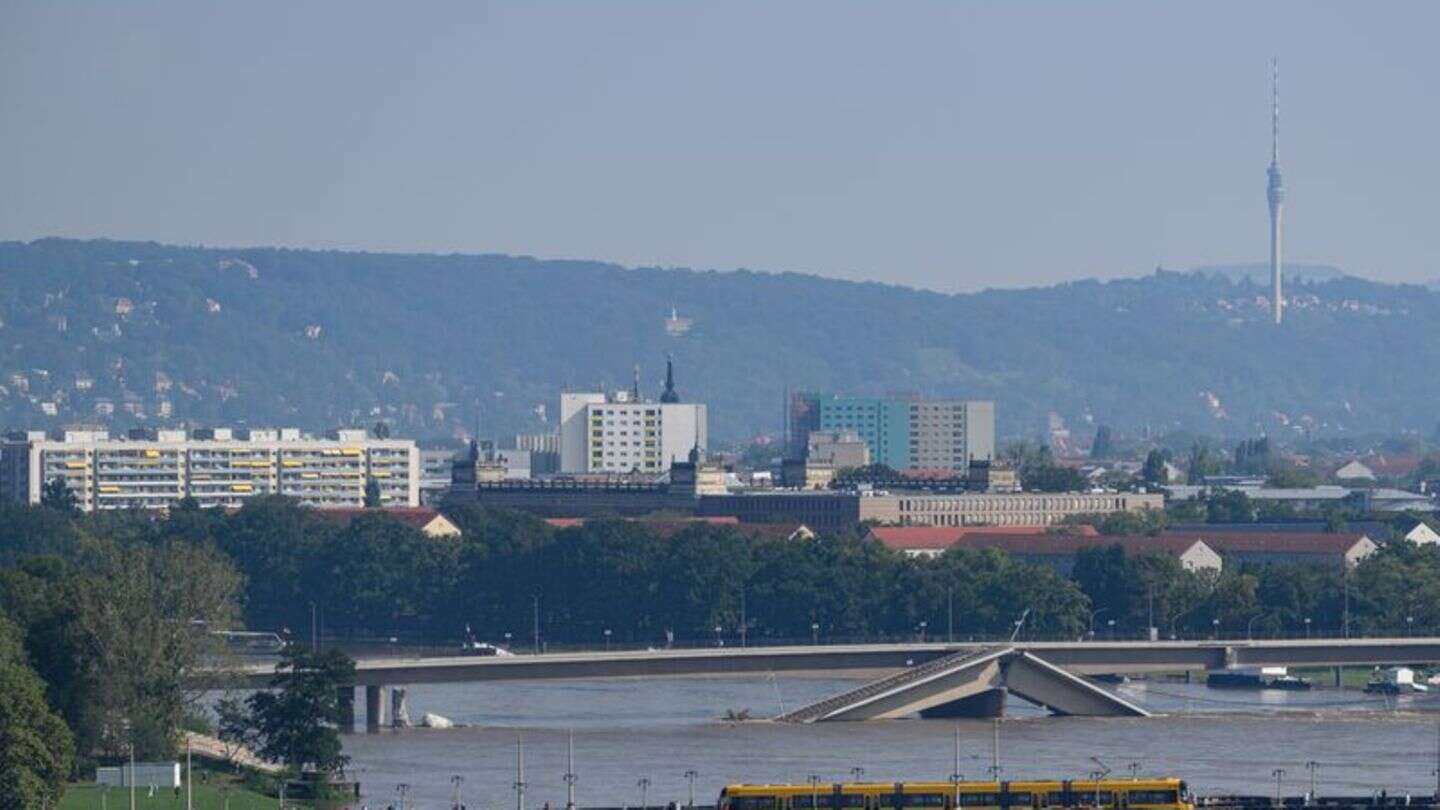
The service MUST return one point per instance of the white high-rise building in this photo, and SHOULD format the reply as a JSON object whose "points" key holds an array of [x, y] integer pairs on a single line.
{"points": [[622, 433], [216, 467]]}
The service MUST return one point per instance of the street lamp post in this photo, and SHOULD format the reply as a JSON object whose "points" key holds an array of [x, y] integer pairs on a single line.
{"points": [[607, 639], [717, 635], [644, 784], [404, 791], [815, 633], [950, 614], [1279, 774], [814, 791], [1111, 623], [1312, 766], [455, 782], [856, 772], [1250, 626], [1093, 614], [923, 625], [1409, 626], [1307, 628], [1215, 623], [690, 777]]}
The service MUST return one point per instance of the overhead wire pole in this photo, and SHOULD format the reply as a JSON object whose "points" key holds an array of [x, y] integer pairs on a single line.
{"points": [[570, 776]]}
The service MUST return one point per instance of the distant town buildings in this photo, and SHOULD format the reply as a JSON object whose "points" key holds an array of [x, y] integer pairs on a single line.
{"points": [[150, 469], [901, 433], [621, 433]]}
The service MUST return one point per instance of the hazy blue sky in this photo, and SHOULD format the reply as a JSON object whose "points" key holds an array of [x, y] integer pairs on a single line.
{"points": [[947, 145]]}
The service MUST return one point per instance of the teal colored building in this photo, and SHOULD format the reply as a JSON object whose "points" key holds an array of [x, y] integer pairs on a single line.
{"points": [[884, 424]]}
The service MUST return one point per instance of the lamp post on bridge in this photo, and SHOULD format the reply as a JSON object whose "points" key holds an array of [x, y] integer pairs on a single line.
{"points": [[690, 777], [717, 635], [1307, 628], [1093, 614], [1279, 774], [607, 639], [1215, 623], [923, 625], [1111, 623], [815, 633], [1250, 626]]}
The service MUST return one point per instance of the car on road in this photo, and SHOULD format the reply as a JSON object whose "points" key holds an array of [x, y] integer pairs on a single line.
{"points": [[481, 648]]}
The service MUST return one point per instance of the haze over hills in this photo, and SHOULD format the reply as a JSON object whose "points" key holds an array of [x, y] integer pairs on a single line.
{"points": [[203, 336]]}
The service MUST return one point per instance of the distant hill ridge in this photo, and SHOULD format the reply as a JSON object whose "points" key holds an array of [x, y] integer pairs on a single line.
{"points": [[139, 332]]}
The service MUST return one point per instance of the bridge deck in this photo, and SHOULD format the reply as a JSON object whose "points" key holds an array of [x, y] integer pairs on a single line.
{"points": [[1076, 657]]}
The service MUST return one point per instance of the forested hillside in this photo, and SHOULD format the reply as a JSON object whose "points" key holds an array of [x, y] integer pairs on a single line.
{"points": [[124, 333]]}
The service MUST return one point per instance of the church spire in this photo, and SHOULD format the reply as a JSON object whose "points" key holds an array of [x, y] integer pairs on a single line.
{"points": [[669, 396]]}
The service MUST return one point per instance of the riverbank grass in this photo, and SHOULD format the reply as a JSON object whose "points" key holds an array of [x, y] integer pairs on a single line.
{"points": [[208, 796]]}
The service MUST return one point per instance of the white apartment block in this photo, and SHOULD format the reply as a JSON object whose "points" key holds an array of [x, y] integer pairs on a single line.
{"points": [[618, 433], [216, 467]]}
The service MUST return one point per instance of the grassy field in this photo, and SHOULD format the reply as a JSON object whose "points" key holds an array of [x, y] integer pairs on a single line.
{"points": [[207, 797]]}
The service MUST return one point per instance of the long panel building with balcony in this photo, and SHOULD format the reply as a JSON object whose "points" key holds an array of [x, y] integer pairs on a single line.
{"points": [[218, 467]]}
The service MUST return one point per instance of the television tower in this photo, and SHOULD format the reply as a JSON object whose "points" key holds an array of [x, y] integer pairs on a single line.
{"points": [[1275, 192]]}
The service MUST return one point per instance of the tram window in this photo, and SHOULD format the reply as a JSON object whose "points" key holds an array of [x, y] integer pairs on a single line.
{"points": [[1052, 799], [809, 801], [752, 803], [924, 799], [979, 800], [1152, 797], [1017, 799], [852, 800]]}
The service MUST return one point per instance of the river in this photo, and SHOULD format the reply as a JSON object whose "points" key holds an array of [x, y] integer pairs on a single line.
{"points": [[629, 730]]}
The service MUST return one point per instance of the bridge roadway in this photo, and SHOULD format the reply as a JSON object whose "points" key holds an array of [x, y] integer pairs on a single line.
{"points": [[1086, 658]]}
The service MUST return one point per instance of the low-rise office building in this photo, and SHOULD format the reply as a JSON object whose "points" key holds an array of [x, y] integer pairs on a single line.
{"points": [[216, 467], [839, 509]]}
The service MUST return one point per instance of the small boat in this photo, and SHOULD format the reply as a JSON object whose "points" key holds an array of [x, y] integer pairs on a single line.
{"points": [[1255, 678], [1394, 681]]}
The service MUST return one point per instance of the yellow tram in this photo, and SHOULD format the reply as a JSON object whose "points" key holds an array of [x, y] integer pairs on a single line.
{"points": [[1142, 794]]}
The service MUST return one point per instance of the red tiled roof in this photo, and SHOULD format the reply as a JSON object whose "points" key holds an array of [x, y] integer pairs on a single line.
{"points": [[414, 516], [1274, 542], [915, 538]]}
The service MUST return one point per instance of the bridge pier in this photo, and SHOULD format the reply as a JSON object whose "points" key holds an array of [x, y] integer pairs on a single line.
{"points": [[345, 695], [374, 709], [400, 707]]}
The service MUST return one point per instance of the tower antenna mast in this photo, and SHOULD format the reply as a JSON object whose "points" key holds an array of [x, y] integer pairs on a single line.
{"points": [[1275, 194]]}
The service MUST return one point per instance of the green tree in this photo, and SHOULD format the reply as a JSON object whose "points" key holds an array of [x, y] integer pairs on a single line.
{"points": [[1104, 444], [1153, 473], [36, 748], [1229, 506], [372, 494], [233, 725], [296, 722], [142, 613], [59, 496], [1052, 478]]}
